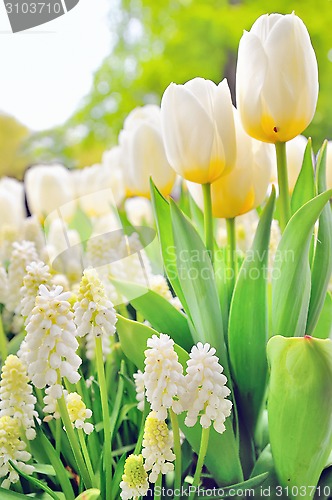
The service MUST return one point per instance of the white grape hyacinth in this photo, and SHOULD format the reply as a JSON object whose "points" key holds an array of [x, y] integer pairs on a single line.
{"points": [[134, 482], [78, 412], [14, 449], [140, 389], [16, 398], [157, 447], [94, 313], [23, 253], [37, 273], [49, 349], [205, 389], [163, 376]]}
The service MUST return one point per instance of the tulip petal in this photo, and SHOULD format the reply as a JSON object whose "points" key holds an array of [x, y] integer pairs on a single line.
{"points": [[250, 76], [224, 117], [188, 134], [147, 159]]}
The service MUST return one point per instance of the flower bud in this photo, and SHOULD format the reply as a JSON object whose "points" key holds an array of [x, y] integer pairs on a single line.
{"points": [[245, 186], [300, 409], [277, 78], [143, 153], [198, 129]]}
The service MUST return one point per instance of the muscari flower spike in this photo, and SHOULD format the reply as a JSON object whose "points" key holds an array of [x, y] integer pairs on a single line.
{"points": [[16, 398]]}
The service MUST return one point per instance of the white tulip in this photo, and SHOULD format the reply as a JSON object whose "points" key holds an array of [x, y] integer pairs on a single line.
{"points": [[143, 153], [198, 129], [98, 188], [139, 211], [12, 209], [245, 187], [49, 188], [277, 78]]}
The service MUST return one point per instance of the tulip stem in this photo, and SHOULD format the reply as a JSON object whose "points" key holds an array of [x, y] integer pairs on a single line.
{"points": [[208, 220], [200, 461], [231, 253], [284, 199]]}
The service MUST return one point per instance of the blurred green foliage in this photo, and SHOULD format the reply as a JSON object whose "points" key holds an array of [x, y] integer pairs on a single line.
{"points": [[155, 43], [13, 136]]}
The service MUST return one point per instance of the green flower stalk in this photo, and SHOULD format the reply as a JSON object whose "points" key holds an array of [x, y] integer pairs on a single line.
{"points": [[300, 410]]}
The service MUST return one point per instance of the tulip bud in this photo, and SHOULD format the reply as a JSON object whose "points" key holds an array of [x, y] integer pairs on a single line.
{"points": [[49, 188], [244, 188], [300, 410], [277, 78], [143, 153], [198, 129]]}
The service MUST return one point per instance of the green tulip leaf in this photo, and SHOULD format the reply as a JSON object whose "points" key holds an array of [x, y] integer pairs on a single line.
{"points": [[291, 277], [134, 336], [300, 409], [162, 216], [226, 471], [323, 328], [252, 484], [248, 323], [82, 224], [322, 265], [304, 189], [197, 281], [158, 311], [10, 495]]}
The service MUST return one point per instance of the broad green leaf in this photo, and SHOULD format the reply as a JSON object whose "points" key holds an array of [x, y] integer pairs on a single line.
{"points": [[82, 224], [10, 495], [271, 485], [220, 272], [134, 336], [226, 471], [248, 323], [158, 311], [117, 477], [61, 473], [300, 404], [36, 482], [197, 215], [230, 492], [46, 469], [322, 265], [291, 276], [304, 189], [162, 216], [323, 328], [197, 281]]}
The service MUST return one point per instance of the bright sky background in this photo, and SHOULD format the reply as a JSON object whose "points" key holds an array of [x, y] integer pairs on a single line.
{"points": [[45, 71]]}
